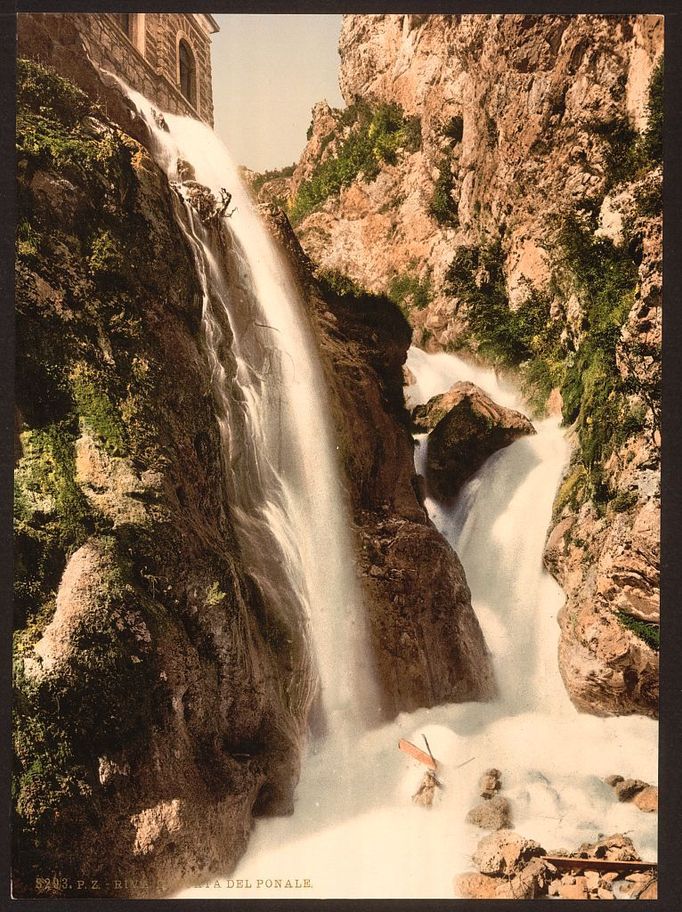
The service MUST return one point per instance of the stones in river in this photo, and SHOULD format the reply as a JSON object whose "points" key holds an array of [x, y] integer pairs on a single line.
{"points": [[641, 794], [493, 814], [489, 783]]}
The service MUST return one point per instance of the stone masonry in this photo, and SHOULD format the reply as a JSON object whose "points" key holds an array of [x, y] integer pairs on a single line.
{"points": [[144, 50]]}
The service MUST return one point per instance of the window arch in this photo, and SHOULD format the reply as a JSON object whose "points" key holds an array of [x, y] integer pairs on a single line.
{"points": [[133, 26], [187, 72]]}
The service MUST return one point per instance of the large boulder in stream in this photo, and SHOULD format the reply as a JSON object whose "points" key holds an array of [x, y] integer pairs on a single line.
{"points": [[466, 427]]}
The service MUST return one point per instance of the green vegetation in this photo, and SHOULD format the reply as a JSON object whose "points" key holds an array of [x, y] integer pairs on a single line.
{"points": [[337, 283], [376, 135], [506, 337], [652, 140], [629, 154], [529, 338], [51, 516], [409, 292], [442, 206], [454, 128], [650, 633], [107, 256], [96, 411], [274, 174], [604, 277]]}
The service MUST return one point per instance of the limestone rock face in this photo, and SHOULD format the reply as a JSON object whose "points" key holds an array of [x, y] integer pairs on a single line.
{"points": [[466, 428], [609, 564], [507, 105]]}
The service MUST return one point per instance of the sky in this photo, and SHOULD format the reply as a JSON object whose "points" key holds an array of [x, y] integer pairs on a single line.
{"points": [[268, 72]]}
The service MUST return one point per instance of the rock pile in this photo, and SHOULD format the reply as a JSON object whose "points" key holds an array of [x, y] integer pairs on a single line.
{"points": [[510, 866]]}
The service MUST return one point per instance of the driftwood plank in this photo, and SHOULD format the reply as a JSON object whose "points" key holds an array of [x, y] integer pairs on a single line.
{"points": [[597, 864], [409, 748]]}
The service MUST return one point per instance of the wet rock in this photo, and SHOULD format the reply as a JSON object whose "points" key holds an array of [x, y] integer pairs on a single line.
{"points": [[650, 891], [647, 800], [505, 852], [427, 791], [185, 170], [573, 888], [489, 783], [628, 788], [473, 885], [612, 848], [494, 814], [466, 428]]}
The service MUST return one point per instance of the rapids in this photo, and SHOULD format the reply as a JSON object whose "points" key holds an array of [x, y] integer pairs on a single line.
{"points": [[355, 832]]}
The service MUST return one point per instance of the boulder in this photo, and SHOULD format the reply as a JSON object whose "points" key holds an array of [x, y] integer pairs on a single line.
{"points": [[573, 888], [494, 814], [472, 885], [628, 788], [647, 800], [466, 427], [505, 852]]}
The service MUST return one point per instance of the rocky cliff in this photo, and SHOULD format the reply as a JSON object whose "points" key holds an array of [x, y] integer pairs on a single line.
{"points": [[152, 721], [499, 177]]}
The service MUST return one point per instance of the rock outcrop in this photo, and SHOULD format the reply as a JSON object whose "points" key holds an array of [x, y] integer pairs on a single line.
{"points": [[150, 720], [466, 427]]}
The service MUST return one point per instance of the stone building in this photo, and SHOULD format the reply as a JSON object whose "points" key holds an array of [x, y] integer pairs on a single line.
{"points": [[166, 56]]}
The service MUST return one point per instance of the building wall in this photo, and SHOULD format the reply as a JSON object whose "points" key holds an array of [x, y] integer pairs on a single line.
{"points": [[149, 62]]}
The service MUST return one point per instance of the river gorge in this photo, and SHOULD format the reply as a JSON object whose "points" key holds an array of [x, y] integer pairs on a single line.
{"points": [[315, 462]]}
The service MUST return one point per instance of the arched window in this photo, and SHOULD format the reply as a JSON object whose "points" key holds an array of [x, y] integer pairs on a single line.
{"points": [[124, 22], [187, 73]]}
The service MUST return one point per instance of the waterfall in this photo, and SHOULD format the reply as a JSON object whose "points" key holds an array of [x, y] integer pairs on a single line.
{"points": [[281, 463]]}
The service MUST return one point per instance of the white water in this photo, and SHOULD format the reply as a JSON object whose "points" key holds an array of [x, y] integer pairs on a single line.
{"points": [[282, 469], [360, 836]]}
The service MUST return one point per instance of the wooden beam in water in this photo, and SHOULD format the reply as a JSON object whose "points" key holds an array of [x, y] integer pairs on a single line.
{"points": [[409, 748], [598, 864]]}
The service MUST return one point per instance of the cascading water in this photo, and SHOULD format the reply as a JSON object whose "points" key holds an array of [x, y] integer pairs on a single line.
{"points": [[284, 484], [355, 832], [364, 838]]}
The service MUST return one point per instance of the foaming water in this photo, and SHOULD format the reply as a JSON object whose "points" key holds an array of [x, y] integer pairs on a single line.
{"points": [[360, 836], [279, 447]]}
